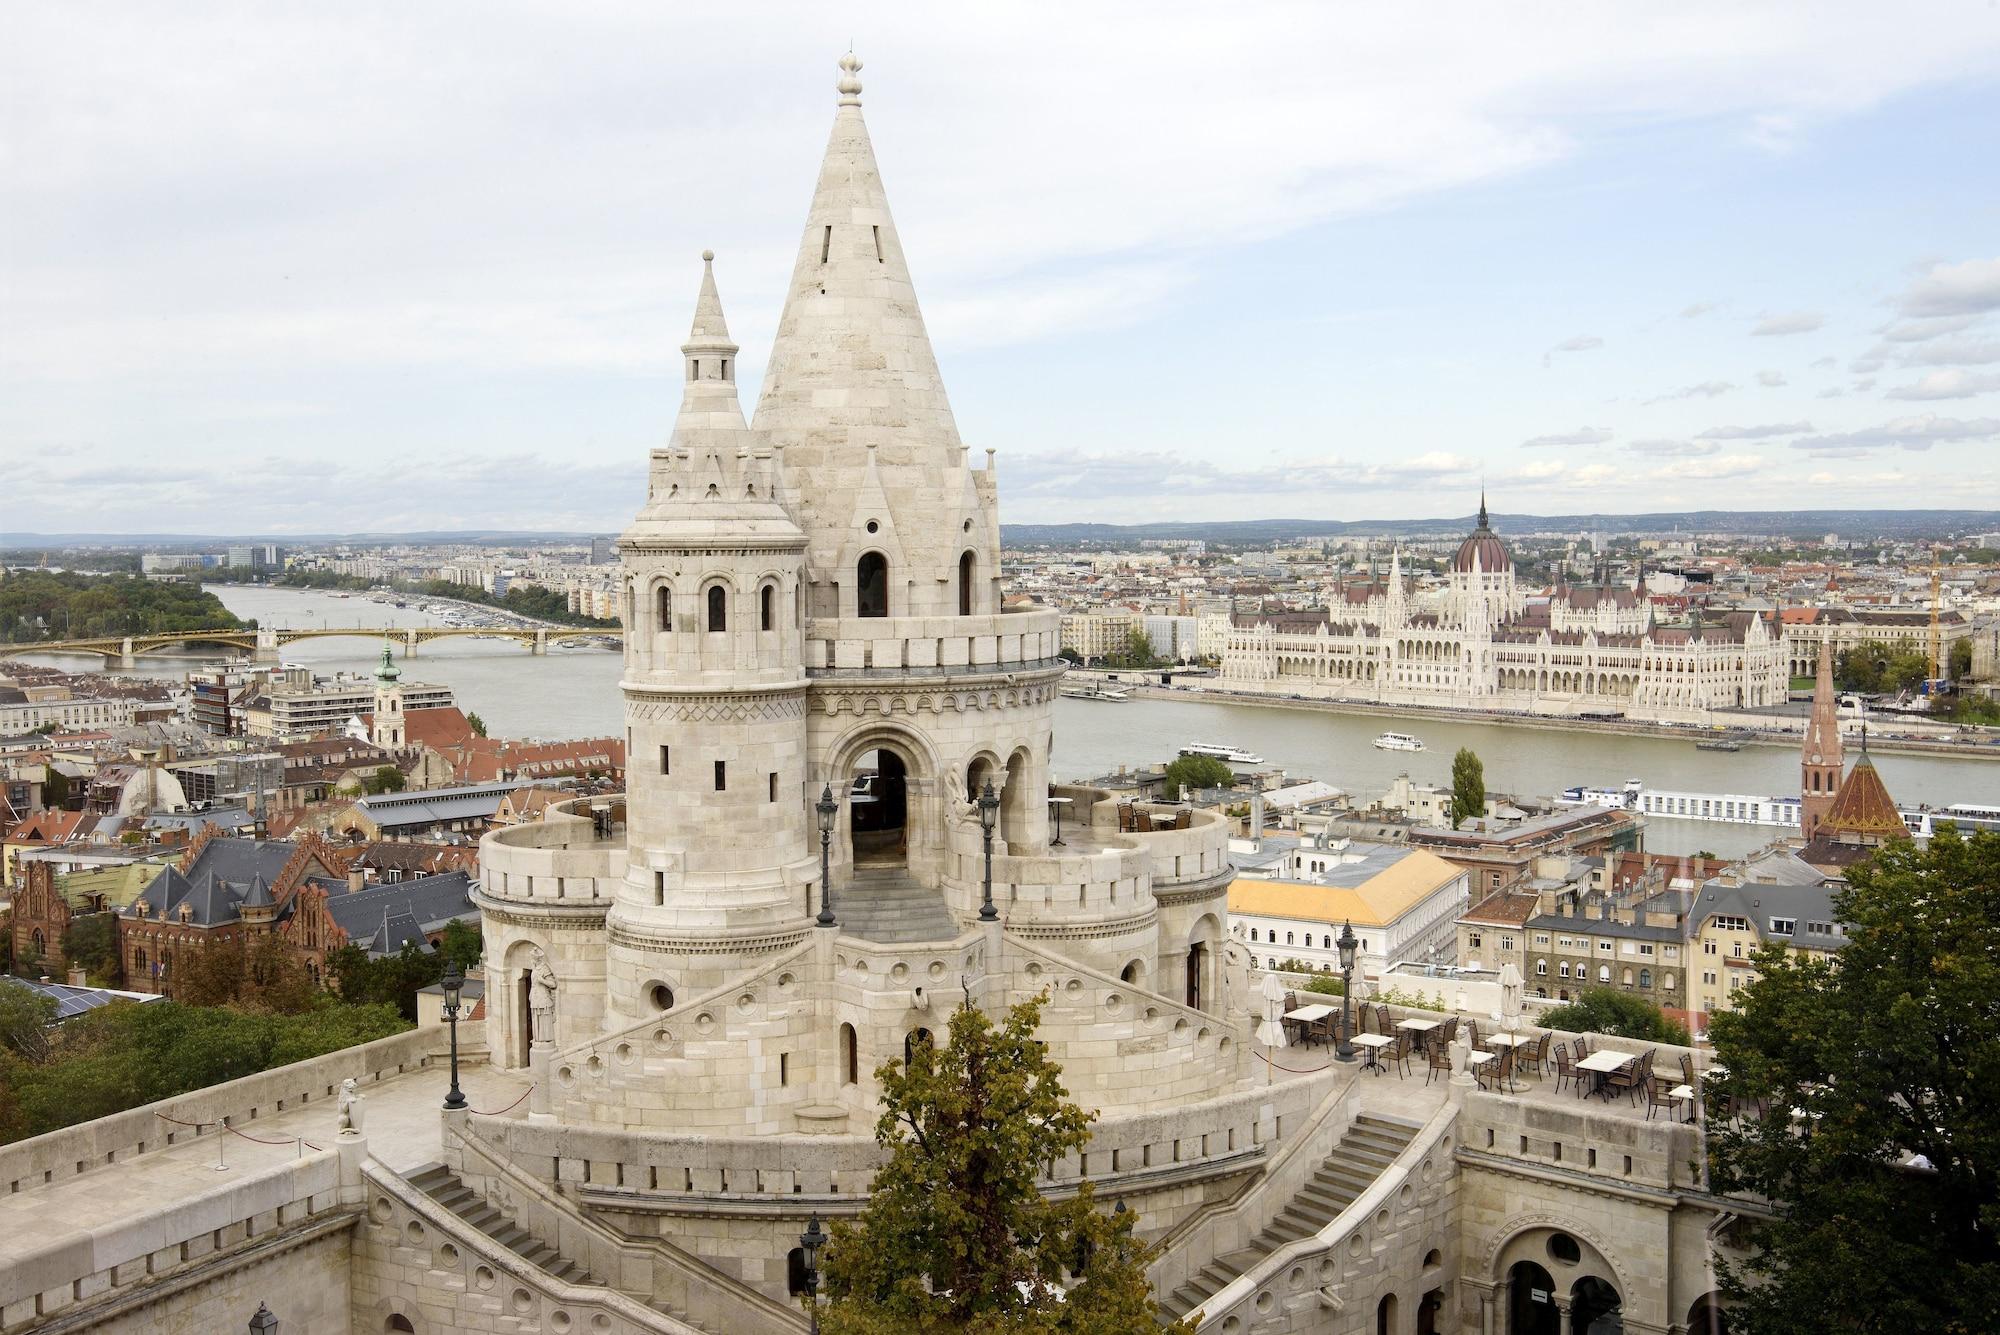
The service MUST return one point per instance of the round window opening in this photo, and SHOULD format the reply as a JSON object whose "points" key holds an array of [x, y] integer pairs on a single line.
{"points": [[874, 527], [968, 526], [663, 997], [1563, 1248]]}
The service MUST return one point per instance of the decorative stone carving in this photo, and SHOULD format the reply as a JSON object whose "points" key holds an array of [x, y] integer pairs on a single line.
{"points": [[352, 1108], [542, 998]]}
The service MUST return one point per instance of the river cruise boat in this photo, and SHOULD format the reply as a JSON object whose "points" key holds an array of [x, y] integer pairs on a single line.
{"points": [[1230, 755], [1398, 741], [1718, 744], [1110, 693]]}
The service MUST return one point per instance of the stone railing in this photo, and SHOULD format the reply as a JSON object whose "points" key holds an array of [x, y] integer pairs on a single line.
{"points": [[560, 859], [71, 1268], [940, 644], [1356, 1246], [1584, 1136], [117, 1138], [1069, 889], [1230, 1227], [652, 1267]]}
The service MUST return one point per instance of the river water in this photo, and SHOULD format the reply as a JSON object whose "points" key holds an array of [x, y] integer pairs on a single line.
{"points": [[574, 693]]}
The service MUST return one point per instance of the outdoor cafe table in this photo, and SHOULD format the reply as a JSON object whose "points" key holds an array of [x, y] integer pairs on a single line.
{"points": [[1602, 1063], [1418, 1026], [1306, 1015], [1505, 1040], [1372, 1044]]}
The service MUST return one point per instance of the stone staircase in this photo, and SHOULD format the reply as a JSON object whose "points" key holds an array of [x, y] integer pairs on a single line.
{"points": [[887, 904], [443, 1186], [1368, 1148]]}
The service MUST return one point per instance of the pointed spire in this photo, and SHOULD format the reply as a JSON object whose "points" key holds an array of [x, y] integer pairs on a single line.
{"points": [[1482, 509], [849, 83], [388, 672], [709, 331]]}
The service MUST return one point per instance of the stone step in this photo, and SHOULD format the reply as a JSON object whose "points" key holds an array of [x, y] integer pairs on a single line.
{"points": [[889, 905]]}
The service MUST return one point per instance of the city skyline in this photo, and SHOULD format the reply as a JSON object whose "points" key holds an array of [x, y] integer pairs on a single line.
{"points": [[1718, 260]]}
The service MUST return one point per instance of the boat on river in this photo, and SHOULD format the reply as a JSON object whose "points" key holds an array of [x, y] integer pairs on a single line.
{"points": [[1398, 741], [1107, 693], [1229, 755]]}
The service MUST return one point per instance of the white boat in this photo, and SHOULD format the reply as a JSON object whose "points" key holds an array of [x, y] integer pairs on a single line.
{"points": [[1232, 755], [1094, 693], [1398, 741]]}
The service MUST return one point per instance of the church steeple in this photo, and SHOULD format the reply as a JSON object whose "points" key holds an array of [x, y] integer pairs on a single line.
{"points": [[1819, 754], [1483, 524]]}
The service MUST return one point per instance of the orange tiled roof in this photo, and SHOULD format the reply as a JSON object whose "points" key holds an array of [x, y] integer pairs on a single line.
{"points": [[1862, 805]]}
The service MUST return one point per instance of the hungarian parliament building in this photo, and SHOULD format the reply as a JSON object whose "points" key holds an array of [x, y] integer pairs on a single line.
{"points": [[1481, 643]]}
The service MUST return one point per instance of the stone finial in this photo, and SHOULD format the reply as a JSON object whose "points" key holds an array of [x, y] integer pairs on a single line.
{"points": [[708, 257], [850, 83]]}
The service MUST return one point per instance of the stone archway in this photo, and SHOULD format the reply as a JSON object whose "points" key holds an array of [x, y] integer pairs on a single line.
{"points": [[913, 805], [1201, 962], [511, 1002], [1563, 1261]]}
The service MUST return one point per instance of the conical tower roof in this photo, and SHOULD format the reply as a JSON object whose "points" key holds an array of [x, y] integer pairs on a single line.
{"points": [[853, 384], [716, 483], [1863, 806]]}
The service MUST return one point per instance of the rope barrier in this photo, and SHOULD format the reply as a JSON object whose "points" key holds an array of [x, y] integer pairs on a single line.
{"points": [[242, 1135], [1293, 1070], [480, 1112]]}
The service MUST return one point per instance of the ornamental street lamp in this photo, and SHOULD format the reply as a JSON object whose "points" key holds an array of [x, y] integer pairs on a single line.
{"points": [[827, 809], [1346, 943], [453, 984], [263, 1323], [989, 811], [810, 1243]]}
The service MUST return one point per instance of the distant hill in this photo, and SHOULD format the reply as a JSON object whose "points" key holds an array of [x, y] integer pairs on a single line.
{"points": [[1775, 523]]}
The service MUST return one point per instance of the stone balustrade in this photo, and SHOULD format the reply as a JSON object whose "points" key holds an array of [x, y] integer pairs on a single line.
{"points": [[560, 859], [67, 1267], [119, 1137], [945, 645]]}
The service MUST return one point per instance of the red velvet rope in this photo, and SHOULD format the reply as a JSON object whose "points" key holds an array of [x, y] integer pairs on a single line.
{"points": [[480, 1112]]}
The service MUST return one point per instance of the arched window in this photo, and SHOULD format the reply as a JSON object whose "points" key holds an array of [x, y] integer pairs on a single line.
{"points": [[915, 1039], [871, 585], [766, 600], [1288, 938], [1645, 978], [718, 608], [967, 567], [1562, 969], [1542, 968], [1326, 943], [399, 1322], [1253, 933], [850, 1056], [665, 598], [1604, 973], [1626, 978]]}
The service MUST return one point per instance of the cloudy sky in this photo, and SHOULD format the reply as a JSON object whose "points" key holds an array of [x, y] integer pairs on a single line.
{"points": [[293, 268]]}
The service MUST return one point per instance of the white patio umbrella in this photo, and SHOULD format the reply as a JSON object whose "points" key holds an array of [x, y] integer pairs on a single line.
{"points": [[1510, 994], [1271, 1033]]}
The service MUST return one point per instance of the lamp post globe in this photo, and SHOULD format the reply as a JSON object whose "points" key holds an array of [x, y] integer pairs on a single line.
{"points": [[827, 811], [263, 1323], [989, 813], [1345, 1050], [810, 1244]]}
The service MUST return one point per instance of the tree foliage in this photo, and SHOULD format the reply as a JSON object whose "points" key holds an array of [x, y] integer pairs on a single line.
{"points": [[1890, 1051], [62, 605], [91, 943], [957, 1235], [384, 779], [1881, 667], [1196, 773], [127, 1054], [395, 980], [262, 975], [1606, 1010], [1468, 786], [476, 723]]}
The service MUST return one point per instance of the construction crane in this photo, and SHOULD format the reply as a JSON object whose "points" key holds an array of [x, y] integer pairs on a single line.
{"points": [[1937, 682]]}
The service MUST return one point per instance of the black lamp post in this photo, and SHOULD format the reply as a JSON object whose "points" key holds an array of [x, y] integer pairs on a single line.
{"points": [[810, 1243], [1346, 943], [989, 811], [263, 1323], [827, 809], [453, 983]]}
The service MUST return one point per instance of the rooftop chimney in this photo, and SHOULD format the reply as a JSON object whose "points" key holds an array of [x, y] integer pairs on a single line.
{"points": [[76, 976], [356, 880]]}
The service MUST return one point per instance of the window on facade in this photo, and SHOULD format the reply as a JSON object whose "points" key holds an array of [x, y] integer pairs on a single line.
{"points": [[1784, 926], [665, 601], [718, 608], [1725, 922], [966, 571], [774, 785], [1542, 968], [721, 776], [1472, 940], [1506, 943], [1541, 938], [666, 758], [1562, 969], [766, 616], [1646, 949], [1708, 947], [1819, 928], [1288, 938], [871, 585], [1253, 933], [1325, 942], [1604, 973]]}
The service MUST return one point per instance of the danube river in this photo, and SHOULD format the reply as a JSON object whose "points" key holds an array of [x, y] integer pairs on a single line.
{"points": [[574, 693]]}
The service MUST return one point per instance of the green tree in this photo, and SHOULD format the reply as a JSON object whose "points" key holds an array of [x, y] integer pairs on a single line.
{"points": [[385, 779], [1197, 772], [1958, 662], [461, 943], [392, 980], [1606, 1010], [1876, 666], [26, 1021], [91, 942], [55, 788], [477, 723], [956, 1235], [1468, 786], [1888, 1051]]}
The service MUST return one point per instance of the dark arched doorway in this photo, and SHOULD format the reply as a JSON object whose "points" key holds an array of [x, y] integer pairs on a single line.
{"points": [[1706, 1317], [1531, 1301], [1430, 1313], [916, 1038], [879, 802], [1385, 1316], [1595, 1309], [871, 585], [967, 569]]}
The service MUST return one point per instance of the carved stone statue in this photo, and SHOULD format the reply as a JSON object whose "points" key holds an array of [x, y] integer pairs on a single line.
{"points": [[542, 998], [352, 1106]]}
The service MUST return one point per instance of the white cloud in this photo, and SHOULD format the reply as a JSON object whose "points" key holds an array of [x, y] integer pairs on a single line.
{"points": [[1707, 389], [1675, 449], [1905, 433], [1968, 288], [1949, 385], [1578, 343], [1697, 310], [1825, 363], [1790, 322], [1771, 379], [1762, 431], [1954, 352], [1933, 326], [1586, 435], [1728, 465]]}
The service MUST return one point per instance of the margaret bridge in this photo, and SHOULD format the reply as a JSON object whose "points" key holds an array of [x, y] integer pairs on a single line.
{"points": [[265, 643]]}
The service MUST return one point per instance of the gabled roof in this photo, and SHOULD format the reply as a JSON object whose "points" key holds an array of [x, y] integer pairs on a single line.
{"points": [[405, 907], [1863, 806]]}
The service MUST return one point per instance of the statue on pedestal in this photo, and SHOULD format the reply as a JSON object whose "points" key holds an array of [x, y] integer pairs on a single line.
{"points": [[542, 998], [352, 1106]]}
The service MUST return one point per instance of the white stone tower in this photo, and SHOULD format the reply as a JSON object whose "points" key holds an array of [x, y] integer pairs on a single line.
{"points": [[389, 728], [718, 864]]}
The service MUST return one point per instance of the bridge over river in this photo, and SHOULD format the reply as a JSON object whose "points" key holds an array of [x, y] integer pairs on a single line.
{"points": [[266, 642]]}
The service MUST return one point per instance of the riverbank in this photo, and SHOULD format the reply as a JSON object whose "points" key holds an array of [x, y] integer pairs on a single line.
{"points": [[1750, 730]]}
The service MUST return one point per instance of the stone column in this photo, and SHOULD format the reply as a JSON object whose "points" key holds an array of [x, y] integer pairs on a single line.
{"points": [[126, 658], [409, 644], [541, 1062]]}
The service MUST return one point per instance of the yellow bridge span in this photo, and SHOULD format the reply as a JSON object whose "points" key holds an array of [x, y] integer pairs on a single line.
{"points": [[266, 643]]}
